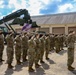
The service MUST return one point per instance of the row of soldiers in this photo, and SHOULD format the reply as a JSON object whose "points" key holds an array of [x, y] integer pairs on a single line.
{"points": [[32, 46]]}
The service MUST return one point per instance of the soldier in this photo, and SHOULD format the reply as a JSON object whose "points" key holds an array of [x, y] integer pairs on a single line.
{"points": [[18, 49], [47, 46], [1, 45], [71, 40], [24, 46], [61, 41], [52, 42], [31, 53], [37, 49], [65, 40], [57, 43], [10, 49], [42, 47]]}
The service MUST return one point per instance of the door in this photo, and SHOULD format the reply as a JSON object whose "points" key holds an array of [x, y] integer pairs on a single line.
{"points": [[58, 30]]}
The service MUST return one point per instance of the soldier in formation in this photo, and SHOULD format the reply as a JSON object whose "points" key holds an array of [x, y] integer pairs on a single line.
{"points": [[61, 41], [52, 42], [42, 47], [18, 49], [37, 49], [70, 43], [35, 46], [24, 46], [10, 48], [1, 45], [31, 53], [47, 46]]}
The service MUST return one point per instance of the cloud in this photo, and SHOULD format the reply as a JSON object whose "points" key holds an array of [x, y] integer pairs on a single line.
{"points": [[37, 7], [33, 6], [17, 4], [74, 0], [65, 8], [1, 4]]}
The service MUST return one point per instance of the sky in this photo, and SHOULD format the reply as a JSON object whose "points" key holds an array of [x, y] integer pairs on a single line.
{"points": [[37, 7]]}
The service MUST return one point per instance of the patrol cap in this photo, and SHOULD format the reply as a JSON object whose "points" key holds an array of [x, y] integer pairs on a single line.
{"points": [[71, 31], [25, 32]]}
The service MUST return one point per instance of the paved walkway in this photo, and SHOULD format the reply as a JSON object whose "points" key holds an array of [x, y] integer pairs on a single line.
{"points": [[57, 65]]}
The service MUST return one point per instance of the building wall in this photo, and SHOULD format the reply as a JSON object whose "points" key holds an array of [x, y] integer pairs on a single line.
{"points": [[61, 29]]}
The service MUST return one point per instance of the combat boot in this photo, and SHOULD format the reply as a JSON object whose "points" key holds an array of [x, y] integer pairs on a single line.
{"points": [[24, 60], [18, 63], [41, 61], [37, 65], [71, 68], [31, 69], [57, 51], [47, 58], [10, 66]]}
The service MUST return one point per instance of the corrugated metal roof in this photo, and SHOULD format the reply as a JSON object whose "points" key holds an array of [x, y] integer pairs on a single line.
{"points": [[62, 18]]}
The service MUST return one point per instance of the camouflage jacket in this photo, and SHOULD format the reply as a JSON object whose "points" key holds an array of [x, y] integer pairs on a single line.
{"points": [[71, 40], [18, 41], [1, 40], [10, 41]]}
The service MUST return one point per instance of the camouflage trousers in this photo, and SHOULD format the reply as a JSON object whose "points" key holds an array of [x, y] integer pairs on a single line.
{"points": [[24, 53], [70, 56], [10, 53], [41, 54], [31, 58], [47, 52], [51, 47], [57, 46], [1, 52], [61, 46], [37, 56], [18, 53]]}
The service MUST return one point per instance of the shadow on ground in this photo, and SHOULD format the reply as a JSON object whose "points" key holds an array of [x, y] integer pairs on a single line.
{"points": [[39, 71], [45, 66], [51, 61], [1, 63], [74, 72], [19, 67], [9, 72], [62, 52]]}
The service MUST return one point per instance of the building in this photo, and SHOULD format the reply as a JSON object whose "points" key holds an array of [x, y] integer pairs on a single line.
{"points": [[56, 23]]}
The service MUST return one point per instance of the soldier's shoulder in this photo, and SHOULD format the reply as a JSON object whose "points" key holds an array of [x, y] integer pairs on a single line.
{"points": [[34, 39], [29, 40]]}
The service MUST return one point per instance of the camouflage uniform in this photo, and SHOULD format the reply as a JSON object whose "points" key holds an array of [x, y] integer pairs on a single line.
{"points": [[18, 49], [42, 48], [10, 49], [57, 43], [52, 42], [71, 40], [61, 42], [1, 46], [65, 40], [31, 53], [24, 47], [47, 46], [37, 49]]}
